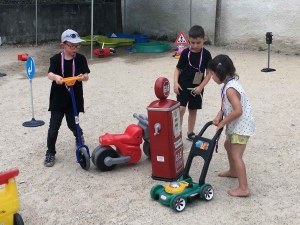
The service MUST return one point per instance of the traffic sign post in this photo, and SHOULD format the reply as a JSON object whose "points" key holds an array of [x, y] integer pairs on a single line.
{"points": [[30, 70], [181, 39]]}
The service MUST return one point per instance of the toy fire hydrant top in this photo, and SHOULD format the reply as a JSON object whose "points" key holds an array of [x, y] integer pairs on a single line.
{"points": [[162, 88]]}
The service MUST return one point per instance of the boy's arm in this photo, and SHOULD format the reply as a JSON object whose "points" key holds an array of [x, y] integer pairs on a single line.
{"points": [[176, 84], [55, 77]]}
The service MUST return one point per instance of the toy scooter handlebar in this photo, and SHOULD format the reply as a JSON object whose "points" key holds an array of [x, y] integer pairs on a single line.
{"points": [[206, 126], [4, 177], [141, 118]]}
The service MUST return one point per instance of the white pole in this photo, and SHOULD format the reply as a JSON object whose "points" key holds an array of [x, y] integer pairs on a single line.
{"points": [[31, 98], [92, 26], [36, 23]]}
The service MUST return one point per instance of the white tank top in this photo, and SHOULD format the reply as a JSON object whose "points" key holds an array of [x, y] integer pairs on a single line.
{"points": [[244, 125]]}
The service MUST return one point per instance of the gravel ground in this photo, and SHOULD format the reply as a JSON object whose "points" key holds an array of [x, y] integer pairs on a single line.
{"points": [[119, 86]]}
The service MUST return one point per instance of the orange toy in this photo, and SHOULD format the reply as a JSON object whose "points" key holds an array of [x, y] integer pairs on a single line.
{"points": [[70, 81]]}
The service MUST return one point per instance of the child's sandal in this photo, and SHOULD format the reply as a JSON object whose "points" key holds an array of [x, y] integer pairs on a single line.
{"points": [[190, 136]]}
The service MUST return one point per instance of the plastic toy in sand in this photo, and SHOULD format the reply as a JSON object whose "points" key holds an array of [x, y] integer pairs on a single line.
{"points": [[178, 194], [23, 57], [178, 50], [9, 201], [126, 146], [104, 52], [151, 47]]}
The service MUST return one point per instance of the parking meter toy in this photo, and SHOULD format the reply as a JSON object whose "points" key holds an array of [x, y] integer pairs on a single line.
{"points": [[126, 146], [165, 134], [178, 194], [9, 201], [82, 151]]}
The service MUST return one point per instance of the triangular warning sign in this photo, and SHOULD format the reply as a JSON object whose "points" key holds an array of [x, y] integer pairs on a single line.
{"points": [[181, 39]]}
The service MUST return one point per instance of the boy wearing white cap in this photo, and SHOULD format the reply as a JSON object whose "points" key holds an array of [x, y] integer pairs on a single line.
{"points": [[68, 63]]}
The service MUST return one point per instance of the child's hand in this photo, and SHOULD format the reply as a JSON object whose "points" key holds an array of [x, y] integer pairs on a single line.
{"points": [[198, 90], [216, 121], [220, 125], [81, 77], [58, 79], [177, 87]]}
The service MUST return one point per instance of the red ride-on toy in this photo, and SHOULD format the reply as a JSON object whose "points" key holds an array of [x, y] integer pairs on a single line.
{"points": [[127, 146]]}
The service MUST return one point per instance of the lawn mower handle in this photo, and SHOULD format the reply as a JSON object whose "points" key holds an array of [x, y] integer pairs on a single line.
{"points": [[206, 126]]}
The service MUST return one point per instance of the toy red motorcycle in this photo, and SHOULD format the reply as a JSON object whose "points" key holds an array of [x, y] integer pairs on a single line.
{"points": [[127, 146]]}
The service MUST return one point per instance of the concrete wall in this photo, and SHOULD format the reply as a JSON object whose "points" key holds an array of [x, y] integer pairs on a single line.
{"points": [[18, 22], [243, 22]]}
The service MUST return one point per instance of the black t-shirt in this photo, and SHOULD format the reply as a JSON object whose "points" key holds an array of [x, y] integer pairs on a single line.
{"points": [[60, 97], [187, 72]]}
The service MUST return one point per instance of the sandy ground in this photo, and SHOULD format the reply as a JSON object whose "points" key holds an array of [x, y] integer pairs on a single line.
{"points": [[119, 86]]}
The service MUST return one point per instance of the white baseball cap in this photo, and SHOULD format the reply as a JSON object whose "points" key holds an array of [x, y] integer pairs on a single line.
{"points": [[71, 36]]}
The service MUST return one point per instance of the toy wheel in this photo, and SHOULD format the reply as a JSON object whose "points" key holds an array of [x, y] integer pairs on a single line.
{"points": [[207, 193], [100, 156], [146, 149], [154, 190], [179, 203], [84, 159], [18, 219], [94, 152]]}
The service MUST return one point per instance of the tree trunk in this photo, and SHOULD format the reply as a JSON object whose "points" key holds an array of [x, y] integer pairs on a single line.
{"points": [[218, 23], [119, 28]]}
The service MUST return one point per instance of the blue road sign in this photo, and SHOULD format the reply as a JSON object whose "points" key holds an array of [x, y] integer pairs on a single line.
{"points": [[30, 68]]}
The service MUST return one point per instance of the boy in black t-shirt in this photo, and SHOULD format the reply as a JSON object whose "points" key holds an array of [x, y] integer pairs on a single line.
{"points": [[68, 63], [189, 73]]}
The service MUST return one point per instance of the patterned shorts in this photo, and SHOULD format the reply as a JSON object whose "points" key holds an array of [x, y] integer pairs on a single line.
{"points": [[237, 139]]}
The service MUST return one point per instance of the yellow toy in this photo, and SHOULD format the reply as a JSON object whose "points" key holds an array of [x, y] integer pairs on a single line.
{"points": [[176, 187], [9, 201]]}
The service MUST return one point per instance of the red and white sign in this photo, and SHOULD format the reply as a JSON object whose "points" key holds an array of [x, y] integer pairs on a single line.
{"points": [[181, 39]]}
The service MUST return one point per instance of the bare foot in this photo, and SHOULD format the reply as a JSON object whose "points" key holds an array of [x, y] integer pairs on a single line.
{"points": [[227, 174], [239, 192]]}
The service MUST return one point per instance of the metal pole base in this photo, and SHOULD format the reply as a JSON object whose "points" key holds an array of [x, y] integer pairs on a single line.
{"points": [[33, 123], [268, 70]]}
